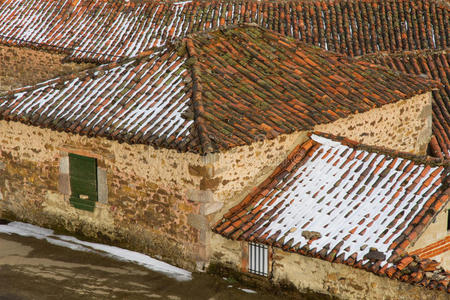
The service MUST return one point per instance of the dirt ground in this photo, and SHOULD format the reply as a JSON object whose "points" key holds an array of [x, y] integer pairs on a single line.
{"points": [[34, 269]]}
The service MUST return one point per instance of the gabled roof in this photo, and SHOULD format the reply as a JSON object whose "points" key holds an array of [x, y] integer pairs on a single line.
{"points": [[436, 65], [102, 30], [343, 202], [212, 91]]}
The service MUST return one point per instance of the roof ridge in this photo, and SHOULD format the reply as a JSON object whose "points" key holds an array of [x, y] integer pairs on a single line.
{"points": [[197, 102], [416, 52], [420, 159]]}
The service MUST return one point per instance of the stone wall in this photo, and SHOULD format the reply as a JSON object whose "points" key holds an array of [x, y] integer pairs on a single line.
{"points": [[147, 208], [243, 168], [311, 275], [23, 66], [403, 126], [436, 231], [225, 178], [168, 206]]}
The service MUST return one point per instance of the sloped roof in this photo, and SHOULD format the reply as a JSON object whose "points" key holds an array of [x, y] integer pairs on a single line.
{"points": [[102, 30], [436, 65], [212, 91], [433, 249], [343, 202]]}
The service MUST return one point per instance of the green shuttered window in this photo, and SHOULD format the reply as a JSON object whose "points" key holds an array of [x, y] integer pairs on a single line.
{"points": [[83, 181]]}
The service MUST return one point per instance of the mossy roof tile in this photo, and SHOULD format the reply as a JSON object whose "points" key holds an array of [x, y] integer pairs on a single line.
{"points": [[194, 100]]}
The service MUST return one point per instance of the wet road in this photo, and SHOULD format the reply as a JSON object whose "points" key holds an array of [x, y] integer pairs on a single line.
{"points": [[35, 269]]}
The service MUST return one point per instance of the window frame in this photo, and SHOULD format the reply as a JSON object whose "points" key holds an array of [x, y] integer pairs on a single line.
{"points": [[448, 220], [64, 187], [89, 188], [258, 259]]}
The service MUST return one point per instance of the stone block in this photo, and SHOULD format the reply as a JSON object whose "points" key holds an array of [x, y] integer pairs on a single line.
{"points": [[200, 196], [210, 184], [64, 165], [201, 171], [102, 185], [211, 207], [64, 184], [198, 222]]}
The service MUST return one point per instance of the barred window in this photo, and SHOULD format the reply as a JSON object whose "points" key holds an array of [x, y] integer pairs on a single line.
{"points": [[258, 259]]}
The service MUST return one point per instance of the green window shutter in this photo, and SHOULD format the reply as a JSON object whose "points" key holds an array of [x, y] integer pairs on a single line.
{"points": [[83, 181]]}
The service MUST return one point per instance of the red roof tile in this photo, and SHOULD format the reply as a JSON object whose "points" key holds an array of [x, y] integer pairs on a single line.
{"points": [[100, 30], [433, 249], [103, 31], [363, 212], [212, 91]]}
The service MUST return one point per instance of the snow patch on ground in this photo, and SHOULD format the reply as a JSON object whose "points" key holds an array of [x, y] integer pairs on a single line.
{"points": [[249, 291], [73, 243]]}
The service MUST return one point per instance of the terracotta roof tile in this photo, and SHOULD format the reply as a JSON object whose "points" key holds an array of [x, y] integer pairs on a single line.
{"points": [[103, 31], [433, 249], [100, 30], [194, 96], [369, 228]]}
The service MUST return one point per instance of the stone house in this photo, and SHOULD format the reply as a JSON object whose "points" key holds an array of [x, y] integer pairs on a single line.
{"points": [[366, 205], [212, 118], [410, 36], [151, 151]]}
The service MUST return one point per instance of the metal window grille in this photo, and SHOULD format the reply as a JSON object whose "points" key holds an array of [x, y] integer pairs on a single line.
{"points": [[258, 259]]}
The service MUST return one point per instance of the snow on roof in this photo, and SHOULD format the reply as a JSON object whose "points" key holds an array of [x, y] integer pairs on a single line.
{"points": [[212, 91], [102, 30], [142, 99], [343, 203]]}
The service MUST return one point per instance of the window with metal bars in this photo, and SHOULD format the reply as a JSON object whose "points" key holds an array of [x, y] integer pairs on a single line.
{"points": [[258, 259]]}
